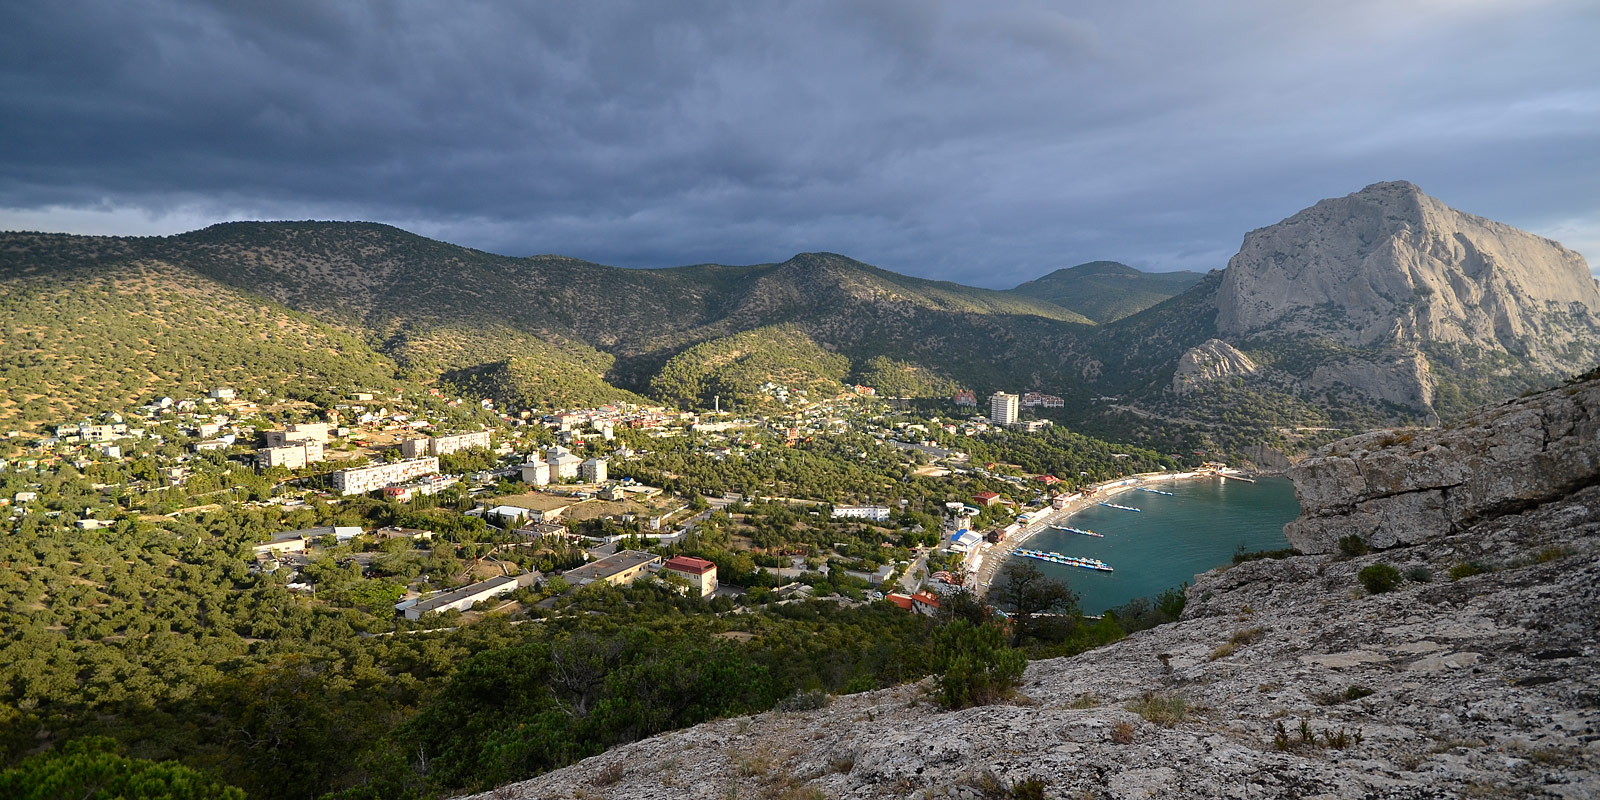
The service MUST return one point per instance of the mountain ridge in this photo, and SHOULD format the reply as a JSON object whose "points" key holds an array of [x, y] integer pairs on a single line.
{"points": [[1106, 291], [1383, 306]]}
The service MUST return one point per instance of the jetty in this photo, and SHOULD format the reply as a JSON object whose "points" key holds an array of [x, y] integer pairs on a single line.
{"points": [[1124, 508], [1065, 560], [1156, 491]]}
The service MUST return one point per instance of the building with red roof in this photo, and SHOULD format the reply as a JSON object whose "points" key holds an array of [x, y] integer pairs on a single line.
{"points": [[700, 573]]}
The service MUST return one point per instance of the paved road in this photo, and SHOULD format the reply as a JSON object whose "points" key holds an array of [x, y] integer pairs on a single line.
{"points": [[909, 581]]}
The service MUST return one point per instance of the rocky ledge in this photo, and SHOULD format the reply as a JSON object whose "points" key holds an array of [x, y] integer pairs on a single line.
{"points": [[1401, 487], [1479, 676]]}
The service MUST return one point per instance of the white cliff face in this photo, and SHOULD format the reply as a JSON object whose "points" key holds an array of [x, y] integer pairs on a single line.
{"points": [[1485, 686], [1208, 362], [1390, 266], [1393, 277]]}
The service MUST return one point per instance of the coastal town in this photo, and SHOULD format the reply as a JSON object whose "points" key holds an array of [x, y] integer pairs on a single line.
{"points": [[536, 506]]}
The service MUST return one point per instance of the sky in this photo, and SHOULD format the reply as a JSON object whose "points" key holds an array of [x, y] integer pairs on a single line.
{"points": [[986, 143]]}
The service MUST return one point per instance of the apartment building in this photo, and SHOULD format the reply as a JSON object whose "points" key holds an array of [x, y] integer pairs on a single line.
{"points": [[361, 480], [1003, 408], [292, 455]]}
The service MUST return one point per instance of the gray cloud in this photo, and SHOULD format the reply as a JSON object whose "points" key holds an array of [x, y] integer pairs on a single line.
{"points": [[952, 140]]}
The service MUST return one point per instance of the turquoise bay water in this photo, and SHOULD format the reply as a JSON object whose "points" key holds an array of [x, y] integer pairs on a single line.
{"points": [[1170, 540]]}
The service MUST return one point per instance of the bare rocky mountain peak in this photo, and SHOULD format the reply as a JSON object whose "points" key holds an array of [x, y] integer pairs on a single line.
{"points": [[1395, 267], [1401, 295]]}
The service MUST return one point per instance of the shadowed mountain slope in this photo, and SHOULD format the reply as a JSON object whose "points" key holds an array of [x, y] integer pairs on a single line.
{"points": [[1106, 291]]}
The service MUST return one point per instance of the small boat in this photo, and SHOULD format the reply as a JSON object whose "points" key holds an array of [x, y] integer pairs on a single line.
{"points": [[1124, 508], [1070, 529]]}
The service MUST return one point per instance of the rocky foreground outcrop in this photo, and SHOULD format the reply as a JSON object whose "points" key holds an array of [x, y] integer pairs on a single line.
{"points": [[1284, 678], [1403, 487]]}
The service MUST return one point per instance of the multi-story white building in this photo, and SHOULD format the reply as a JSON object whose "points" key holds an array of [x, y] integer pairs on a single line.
{"points": [[295, 446], [1035, 400], [874, 513], [563, 464], [1003, 408], [536, 472], [360, 480], [593, 470], [293, 455], [443, 445]]}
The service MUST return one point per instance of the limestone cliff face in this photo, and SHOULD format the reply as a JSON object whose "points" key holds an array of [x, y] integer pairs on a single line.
{"points": [[1403, 267], [1396, 488], [1210, 361], [1392, 272], [1488, 686]]}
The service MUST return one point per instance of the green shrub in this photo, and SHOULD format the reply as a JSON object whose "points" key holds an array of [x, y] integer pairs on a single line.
{"points": [[974, 665], [1549, 554], [1419, 575], [1379, 578], [1240, 555], [91, 769], [1468, 569], [1029, 788], [1353, 545], [805, 701], [1162, 709], [1349, 695]]}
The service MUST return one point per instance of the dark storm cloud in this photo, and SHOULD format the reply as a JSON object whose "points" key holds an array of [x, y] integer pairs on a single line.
{"points": [[986, 143]]}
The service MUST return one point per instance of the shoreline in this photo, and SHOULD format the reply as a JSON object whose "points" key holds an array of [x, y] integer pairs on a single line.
{"points": [[996, 554]]}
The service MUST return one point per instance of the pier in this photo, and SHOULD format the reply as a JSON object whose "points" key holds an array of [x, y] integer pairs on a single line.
{"points": [[1070, 561], [1123, 508]]}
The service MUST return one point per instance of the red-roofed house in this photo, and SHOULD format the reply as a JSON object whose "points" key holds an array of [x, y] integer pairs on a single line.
{"points": [[926, 603], [966, 398], [986, 498], [700, 573], [1048, 480], [901, 600]]}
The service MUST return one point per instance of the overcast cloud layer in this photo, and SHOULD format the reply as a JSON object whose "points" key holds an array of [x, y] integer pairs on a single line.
{"points": [[986, 143]]}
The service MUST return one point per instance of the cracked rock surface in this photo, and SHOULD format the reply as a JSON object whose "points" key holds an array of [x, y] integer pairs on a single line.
{"points": [[1394, 488], [1294, 681]]}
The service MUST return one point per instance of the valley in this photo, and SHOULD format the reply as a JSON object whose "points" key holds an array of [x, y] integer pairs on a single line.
{"points": [[321, 509]]}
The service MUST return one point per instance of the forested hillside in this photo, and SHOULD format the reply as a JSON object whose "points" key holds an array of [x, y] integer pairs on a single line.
{"points": [[82, 341]]}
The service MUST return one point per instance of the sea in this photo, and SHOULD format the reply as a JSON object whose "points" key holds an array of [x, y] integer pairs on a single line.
{"points": [[1170, 539]]}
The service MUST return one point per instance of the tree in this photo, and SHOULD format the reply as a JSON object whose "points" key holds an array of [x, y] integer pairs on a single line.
{"points": [[974, 665], [90, 769], [1026, 592]]}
